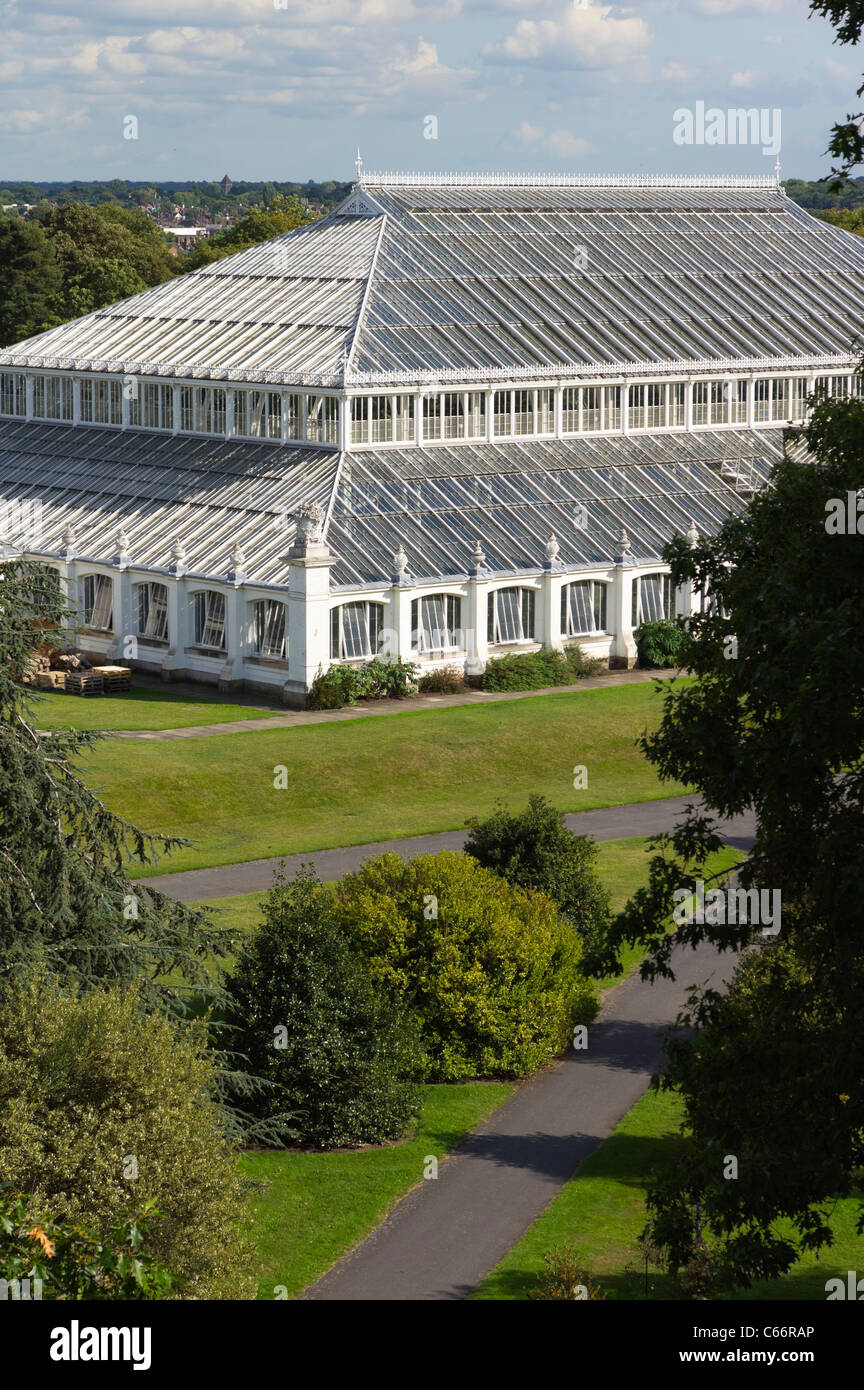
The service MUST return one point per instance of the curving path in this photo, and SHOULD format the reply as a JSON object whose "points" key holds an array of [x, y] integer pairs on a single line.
{"points": [[256, 875], [446, 1235]]}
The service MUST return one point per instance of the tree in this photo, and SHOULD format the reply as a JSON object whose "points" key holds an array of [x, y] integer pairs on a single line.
{"points": [[534, 849], [283, 215], [29, 280], [105, 1108], [102, 282], [847, 138], [64, 894], [774, 721], [850, 219], [104, 254], [492, 971], [307, 1017]]}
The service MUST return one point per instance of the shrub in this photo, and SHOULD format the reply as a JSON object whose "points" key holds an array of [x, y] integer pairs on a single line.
{"points": [[662, 643], [379, 679], [93, 1090], [309, 1018], [534, 849], [491, 970], [564, 1278], [333, 688], [71, 1262], [537, 670], [448, 680], [384, 679], [579, 664]]}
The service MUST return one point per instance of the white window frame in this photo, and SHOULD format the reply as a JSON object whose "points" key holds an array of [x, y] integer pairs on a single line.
{"points": [[210, 619], [97, 602]]}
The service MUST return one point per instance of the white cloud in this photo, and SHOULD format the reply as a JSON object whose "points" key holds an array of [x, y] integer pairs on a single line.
{"points": [[561, 144], [676, 72], [578, 38], [742, 79], [725, 7]]}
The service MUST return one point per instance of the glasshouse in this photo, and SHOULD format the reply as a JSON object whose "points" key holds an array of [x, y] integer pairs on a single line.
{"points": [[458, 417]]}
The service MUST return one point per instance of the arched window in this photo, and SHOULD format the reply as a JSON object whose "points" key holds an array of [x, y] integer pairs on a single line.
{"points": [[356, 630], [97, 600], [583, 607], [152, 611], [511, 615], [652, 598], [436, 623], [209, 619], [268, 624]]}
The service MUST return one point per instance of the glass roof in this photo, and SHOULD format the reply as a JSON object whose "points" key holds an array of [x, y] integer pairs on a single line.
{"points": [[482, 278], [211, 494]]}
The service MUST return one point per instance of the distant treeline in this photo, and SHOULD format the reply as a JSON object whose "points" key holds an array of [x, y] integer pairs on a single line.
{"points": [[814, 195], [327, 194], [168, 192]]}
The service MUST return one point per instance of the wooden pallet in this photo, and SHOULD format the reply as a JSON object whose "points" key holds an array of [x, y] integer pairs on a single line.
{"points": [[51, 680], [84, 683], [115, 678]]}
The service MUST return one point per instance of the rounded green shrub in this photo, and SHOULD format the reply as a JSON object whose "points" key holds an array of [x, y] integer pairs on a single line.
{"points": [[534, 849], [104, 1108], [307, 1017], [662, 643], [491, 970]]}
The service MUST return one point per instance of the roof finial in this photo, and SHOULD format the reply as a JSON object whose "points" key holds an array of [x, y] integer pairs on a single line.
{"points": [[358, 165], [776, 169]]}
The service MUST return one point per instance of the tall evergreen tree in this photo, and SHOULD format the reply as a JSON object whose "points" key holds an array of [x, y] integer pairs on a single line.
{"points": [[30, 279], [64, 857]]}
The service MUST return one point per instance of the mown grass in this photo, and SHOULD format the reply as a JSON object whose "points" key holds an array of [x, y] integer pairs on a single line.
{"points": [[374, 779], [138, 708], [601, 1212]]}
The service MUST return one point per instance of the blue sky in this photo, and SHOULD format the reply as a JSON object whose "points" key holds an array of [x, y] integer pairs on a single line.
{"points": [[286, 89]]}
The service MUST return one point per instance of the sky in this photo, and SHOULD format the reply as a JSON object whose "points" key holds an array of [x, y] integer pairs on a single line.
{"points": [[288, 89]]}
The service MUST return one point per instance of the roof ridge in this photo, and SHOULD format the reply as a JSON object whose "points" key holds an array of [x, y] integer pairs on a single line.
{"points": [[514, 180], [361, 308]]}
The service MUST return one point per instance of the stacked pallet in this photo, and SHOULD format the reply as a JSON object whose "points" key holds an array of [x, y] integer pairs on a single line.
{"points": [[51, 680], [114, 678], [84, 683]]}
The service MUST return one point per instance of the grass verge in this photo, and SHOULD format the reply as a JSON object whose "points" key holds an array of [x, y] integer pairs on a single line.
{"points": [[317, 1206], [376, 779], [139, 708], [602, 1211]]}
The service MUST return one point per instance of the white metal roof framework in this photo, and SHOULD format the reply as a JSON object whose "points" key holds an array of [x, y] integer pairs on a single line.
{"points": [[448, 278]]}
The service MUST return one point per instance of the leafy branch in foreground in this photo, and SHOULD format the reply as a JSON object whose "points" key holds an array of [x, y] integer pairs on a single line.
{"points": [[772, 1073]]}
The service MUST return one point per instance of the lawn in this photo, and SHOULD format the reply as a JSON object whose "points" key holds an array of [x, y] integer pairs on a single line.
{"points": [[374, 779], [317, 1206], [138, 708], [602, 1210]]}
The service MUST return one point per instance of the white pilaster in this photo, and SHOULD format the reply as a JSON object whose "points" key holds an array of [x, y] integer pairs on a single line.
{"points": [[476, 644], [309, 601], [623, 653]]}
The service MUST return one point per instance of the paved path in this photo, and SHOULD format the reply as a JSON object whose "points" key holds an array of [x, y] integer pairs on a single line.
{"points": [[256, 875], [445, 1236], [378, 707]]}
